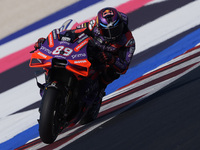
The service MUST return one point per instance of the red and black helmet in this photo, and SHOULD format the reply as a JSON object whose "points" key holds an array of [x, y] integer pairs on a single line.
{"points": [[110, 23]]}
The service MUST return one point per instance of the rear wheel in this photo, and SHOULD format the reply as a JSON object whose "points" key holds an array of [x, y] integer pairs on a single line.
{"points": [[48, 123], [92, 113]]}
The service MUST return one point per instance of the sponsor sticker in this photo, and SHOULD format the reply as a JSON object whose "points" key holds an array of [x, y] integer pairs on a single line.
{"points": [[132, 49], [91, 25], [68, 39], [82, 39], [54, 34], [45, 49], [41, 54], [78, 47], [58, 56], [64, 42], [78, 55], [50, 40], [80, 36], [130, 42], [107, 12], [80, 61]]}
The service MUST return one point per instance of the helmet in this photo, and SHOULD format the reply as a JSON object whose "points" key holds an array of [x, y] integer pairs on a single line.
{"points": [[110, 23]]}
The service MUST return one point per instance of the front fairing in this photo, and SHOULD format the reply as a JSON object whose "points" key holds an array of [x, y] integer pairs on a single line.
{"points": [[74, 53]]}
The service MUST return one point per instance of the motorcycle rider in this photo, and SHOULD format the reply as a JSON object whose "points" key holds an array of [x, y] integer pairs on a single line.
{"points": [[112, 36]]}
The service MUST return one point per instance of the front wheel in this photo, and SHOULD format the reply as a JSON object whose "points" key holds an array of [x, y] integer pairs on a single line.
{"points": [[48, 123]]}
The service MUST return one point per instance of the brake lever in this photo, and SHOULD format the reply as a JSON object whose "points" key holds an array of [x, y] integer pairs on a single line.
{"points": [[33, 51]]}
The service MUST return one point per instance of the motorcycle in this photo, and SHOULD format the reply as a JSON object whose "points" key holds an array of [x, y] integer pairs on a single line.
{"points": [[71, 93]]}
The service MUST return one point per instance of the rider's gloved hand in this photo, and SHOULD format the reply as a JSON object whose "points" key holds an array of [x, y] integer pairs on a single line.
{"points": [[39, 43], [106, 57]]}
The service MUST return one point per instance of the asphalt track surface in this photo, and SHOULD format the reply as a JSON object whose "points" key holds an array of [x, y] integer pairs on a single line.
{"points": [[167, 120]]}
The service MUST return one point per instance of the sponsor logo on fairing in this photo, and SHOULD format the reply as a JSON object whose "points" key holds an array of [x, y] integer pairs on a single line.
{"points": [[68, 39], [77, 48], [58, 56], [41, 54], [45, 49], [83, 38], [65, 42], [54, 34], [80, 36], [80, 61], [50, 40], [78, 55]]}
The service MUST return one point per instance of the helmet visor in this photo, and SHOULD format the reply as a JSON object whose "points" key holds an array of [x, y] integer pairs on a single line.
{"points": [[113, 32]]}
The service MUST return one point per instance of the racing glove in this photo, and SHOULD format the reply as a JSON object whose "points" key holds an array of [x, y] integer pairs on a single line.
{"points": [[106, 57], [39, 43]]}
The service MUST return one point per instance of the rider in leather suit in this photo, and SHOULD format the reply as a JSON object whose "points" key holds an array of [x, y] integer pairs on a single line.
{"points": [[111, 35]]}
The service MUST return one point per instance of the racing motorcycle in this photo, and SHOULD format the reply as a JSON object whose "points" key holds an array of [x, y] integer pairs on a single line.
{"points": [[71, 92]]}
